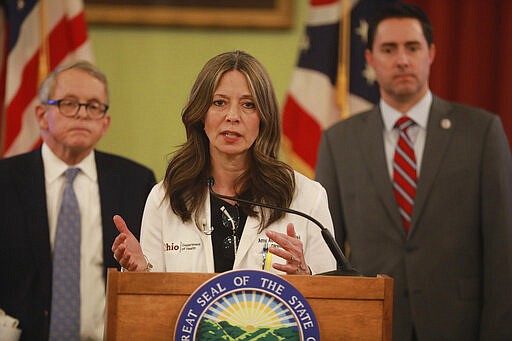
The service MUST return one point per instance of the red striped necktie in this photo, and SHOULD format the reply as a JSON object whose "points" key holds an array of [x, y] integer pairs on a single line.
{"points": [[404, 171]]}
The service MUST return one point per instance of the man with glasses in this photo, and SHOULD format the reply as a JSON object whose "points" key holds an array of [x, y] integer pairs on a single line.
{"points": [[37, 200]]}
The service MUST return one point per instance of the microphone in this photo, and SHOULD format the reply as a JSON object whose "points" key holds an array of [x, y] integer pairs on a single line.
{"points": [[344, 268]]}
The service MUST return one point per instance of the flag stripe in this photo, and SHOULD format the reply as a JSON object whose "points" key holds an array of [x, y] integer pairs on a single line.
{"points": [[67, 36], [22, 52], [310, 106], [21, 100], [67, 40], [301, 131], [319, 3], [28, 136], [61, 42], [311, 100], [16, 18], [323, 14], [321, 55], [314, 93]]}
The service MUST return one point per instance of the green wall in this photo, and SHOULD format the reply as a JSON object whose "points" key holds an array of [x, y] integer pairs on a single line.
{"points": [[151, 70]]}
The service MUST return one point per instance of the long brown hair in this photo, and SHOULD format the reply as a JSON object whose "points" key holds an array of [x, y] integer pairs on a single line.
{"points": [[266, 180]]}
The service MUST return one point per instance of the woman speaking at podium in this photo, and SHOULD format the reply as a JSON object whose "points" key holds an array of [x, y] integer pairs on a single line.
{"points": [[233, 133]]}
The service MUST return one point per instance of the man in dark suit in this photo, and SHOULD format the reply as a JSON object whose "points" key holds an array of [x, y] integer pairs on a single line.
{"points": [[434, 212], [72, 117]]}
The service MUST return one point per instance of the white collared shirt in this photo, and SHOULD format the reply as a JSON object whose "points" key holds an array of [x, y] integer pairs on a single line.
{"points": [[92, 282], [418, 132]]}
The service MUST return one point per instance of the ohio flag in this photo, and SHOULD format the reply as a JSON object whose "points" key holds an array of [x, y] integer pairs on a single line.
{"points": [[37, 36], [331, 80]]}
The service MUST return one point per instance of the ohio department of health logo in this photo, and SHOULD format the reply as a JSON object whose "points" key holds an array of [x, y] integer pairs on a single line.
{"points": [[246, 305]]}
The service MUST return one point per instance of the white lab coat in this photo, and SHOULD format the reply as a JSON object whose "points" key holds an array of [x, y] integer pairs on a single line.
{"points": [[174, 246]]}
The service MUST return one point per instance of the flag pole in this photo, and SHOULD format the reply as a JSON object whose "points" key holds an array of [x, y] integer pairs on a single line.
{"points": [[343, 77], [44, 53]]}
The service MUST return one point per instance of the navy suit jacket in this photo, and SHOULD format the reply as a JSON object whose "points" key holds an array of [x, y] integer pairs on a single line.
{"points": [[453, 270], [25, 287]]}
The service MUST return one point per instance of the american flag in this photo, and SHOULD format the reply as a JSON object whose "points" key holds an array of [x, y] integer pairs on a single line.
{"points": [[314, 100], [37, 36]]}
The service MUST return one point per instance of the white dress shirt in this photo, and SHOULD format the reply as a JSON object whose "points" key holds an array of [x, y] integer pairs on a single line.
{"points": [[418, 132], [92, 282]]}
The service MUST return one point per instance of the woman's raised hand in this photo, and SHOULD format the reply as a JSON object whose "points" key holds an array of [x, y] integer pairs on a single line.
{"points": [[126, 248]]}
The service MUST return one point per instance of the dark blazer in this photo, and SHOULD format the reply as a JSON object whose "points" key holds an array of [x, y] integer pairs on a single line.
{"points": [[25, 286], [453, 272]]}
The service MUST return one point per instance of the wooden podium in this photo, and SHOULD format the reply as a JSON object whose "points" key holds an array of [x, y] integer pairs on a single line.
{"points": [[145, 306]]}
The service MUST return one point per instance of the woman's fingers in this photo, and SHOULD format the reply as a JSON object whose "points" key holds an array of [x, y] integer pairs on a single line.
{"points": [[291, 249]]}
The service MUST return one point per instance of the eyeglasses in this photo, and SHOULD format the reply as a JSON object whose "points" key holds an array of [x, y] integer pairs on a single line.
{"points": [[71, 107], [230, 222]]}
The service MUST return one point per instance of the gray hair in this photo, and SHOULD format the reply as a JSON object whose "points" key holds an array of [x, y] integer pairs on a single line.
{"points": [[48, 85]]}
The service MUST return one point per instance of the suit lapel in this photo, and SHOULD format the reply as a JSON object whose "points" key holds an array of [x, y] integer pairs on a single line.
{"points": [[440, 128], [372, 145], [31, 183], [110, 188]]}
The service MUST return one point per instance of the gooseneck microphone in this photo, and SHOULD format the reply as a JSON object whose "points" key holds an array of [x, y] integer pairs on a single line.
{"points": [[344, 268]]}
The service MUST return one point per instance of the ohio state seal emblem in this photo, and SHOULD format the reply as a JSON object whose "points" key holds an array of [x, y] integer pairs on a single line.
{"points": [[246, 305]]}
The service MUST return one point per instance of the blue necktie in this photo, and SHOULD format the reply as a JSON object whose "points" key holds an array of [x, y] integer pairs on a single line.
{"points": [[65, 313]]}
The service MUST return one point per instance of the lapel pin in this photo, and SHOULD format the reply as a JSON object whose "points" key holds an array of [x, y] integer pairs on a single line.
{"points": [[446, 123]]}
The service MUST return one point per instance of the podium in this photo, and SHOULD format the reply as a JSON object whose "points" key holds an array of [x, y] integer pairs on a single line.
{"points": [[145, 306]]}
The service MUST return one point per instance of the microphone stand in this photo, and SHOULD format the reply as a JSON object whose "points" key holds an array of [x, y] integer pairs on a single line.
{"points": [[343, 268]]}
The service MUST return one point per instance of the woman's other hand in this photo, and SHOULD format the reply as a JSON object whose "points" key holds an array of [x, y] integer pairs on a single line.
{"points": [[291, 250]]}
